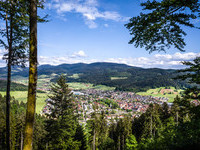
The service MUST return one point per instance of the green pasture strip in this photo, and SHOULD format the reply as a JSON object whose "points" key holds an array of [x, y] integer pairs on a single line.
{"points": [[22, 96], [156, 93]]}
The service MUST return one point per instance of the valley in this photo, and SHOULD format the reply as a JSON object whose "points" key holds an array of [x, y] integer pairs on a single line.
{"points": [[82, 78]]}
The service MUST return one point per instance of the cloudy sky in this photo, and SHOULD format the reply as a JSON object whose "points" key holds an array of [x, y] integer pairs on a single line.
{"points": [[93, 31]]}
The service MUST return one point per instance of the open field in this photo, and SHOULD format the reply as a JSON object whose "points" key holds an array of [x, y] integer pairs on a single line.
{"points": [[41, 97], [82, 86], [22, 96], [74, 76], [118, 78], [162, 92]]}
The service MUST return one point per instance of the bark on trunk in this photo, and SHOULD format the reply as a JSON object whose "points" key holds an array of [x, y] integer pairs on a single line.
{"points": [[93, 148], [8, 105], [30, 112], [22, 139], [177, 118], [118, 142], [151, 128], [122, 142], [9, 39]]}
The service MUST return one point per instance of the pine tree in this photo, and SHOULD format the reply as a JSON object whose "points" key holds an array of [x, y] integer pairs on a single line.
{"points": [[62, 123], [60, 98], [15, 40], [82, 137]]}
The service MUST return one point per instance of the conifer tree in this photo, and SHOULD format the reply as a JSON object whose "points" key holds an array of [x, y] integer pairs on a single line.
{"points": [[14, 39], [82, 137], [62, 123]]}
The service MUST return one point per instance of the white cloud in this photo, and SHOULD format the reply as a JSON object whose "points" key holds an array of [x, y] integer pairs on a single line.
{"points": [[165, 61], [106, 25], [178, 56], [88, 8], [91, 24], [2, 51], [64, 59], [2, 62], [79, 54]]}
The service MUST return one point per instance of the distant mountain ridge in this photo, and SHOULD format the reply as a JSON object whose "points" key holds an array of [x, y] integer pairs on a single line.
{"points": [[121, 76]]}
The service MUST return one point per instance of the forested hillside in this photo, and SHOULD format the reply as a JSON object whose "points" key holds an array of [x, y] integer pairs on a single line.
{"points": [[14, 86], [121, 76]]}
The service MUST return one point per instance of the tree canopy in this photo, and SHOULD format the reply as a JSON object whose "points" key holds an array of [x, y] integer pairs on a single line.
{"points": [[162, 26]]}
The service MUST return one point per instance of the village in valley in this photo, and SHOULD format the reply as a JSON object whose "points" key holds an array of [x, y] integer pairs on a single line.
{"points": [[115, 104]]}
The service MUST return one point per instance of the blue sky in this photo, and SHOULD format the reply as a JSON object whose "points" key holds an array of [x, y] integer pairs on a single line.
{"points": [[93, 30]]}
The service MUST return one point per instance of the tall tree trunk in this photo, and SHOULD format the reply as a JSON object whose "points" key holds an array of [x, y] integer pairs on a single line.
{"points": [[122, 142], [177, 118], [93, 145], [8, 103], [9, 39], [119, 143], [31, 103], [151, 128], [22, 139]]}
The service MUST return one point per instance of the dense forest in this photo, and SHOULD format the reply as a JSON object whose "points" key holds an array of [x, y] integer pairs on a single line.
{"points": [[121, 76]]}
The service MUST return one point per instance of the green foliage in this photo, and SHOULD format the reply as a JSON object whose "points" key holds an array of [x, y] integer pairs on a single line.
{"points": [[192, 75], [161, 27], [15, 37], [60, 98], [110, 103], [62, 122], [3, 122], [81, 136], [131, 143], [17, 125], [98, 131]]}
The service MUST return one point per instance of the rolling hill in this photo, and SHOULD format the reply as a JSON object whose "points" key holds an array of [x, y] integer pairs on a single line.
{"points": [[121, 76], [14, 86]]}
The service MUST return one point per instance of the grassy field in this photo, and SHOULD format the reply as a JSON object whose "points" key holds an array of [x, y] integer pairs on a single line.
{"points": [[74, 76], [118, 78], [162, 92], [83, 86], [22, 96], [43, 81], [41, 97]]}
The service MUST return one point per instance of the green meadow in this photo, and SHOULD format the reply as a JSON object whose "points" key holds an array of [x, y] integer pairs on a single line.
{"points": [[22, 96], [118, 78], [83, 86], [170, 93], [45, 82]]}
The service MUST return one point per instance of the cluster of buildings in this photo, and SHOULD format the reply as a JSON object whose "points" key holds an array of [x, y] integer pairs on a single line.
{"points": [[115, 104]]}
